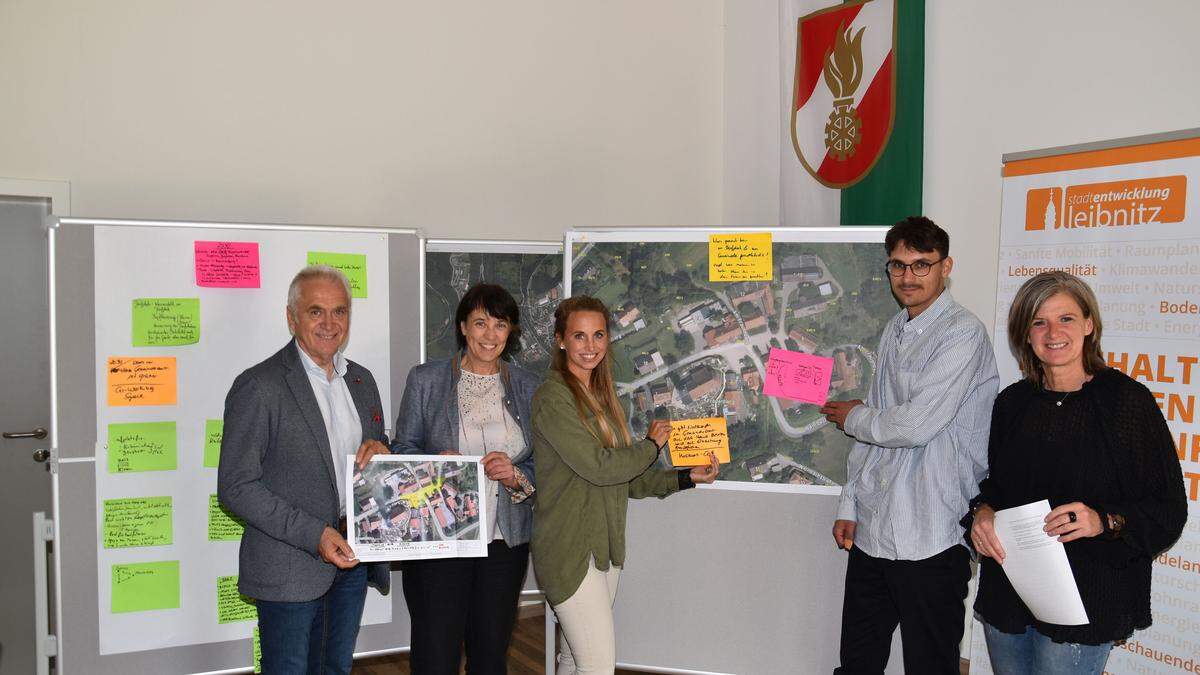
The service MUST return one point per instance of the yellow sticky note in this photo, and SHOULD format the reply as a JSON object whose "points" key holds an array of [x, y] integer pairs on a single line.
{"points": [[140, 587], [214, 431], [740, 257], [142, 446], [353, 265], [137, 521], [223, 525], [256, 651], [692, 440], [135, 380], [231, 605]]}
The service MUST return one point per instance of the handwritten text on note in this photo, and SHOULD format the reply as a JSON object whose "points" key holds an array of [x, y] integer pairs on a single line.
{"points": [[142, 446], [137, 521], [692, 440], [227, 264], [166, 322], [353, 265], [739, 257], [798, 376], [147, 380], [139, 587]]}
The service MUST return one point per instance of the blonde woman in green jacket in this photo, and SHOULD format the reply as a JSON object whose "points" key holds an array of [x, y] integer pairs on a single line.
{"points": [[588, 467]]}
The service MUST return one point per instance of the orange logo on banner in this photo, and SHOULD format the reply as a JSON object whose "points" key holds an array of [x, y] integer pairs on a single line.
{"points": [[1043, 209], [1120, 203]]}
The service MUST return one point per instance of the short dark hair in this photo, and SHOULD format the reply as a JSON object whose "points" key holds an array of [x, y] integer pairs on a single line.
{"points": [[920, 234], [498, 304]]}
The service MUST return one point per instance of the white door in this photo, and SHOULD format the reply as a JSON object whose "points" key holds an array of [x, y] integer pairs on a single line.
{"points": [[24, 413]]}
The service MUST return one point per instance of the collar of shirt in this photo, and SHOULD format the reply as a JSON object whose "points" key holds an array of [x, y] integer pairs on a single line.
{"points": [[926, 318], [311, 367]]}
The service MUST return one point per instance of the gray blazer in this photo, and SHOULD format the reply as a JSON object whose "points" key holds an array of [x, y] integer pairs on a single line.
{"points": [[276, 473], [428, 424]]}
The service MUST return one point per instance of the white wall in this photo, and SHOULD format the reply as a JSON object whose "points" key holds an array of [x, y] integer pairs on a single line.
{"points": [[999, 77], [515, 119]]}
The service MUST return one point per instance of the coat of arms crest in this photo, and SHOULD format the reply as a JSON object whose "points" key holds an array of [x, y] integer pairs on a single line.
{"points": [[845, 93]]}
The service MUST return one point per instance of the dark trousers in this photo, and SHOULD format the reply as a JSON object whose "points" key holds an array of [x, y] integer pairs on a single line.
{"points": [[314, 637], [457, 600], [925, 597]]}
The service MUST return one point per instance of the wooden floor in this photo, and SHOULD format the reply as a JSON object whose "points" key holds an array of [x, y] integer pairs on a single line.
{"points": [[526, 656]]}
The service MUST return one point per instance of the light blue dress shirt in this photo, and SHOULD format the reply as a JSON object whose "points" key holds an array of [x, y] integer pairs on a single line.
{"points": [[342, 423], [922, 435]]}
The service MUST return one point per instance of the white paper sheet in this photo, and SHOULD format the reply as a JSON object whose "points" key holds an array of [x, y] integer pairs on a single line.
{"points": [[1037, 567]]}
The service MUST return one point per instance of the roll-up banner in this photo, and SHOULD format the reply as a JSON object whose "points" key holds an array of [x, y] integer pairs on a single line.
{"points": [[1123, 216]]}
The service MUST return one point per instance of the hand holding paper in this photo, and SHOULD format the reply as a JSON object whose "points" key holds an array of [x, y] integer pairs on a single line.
{"points": [[334, 550], [706, 473], [1037, 565]]}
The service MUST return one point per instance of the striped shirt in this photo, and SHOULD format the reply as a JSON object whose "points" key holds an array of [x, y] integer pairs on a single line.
{"points": [[342, 424], [922, 435]]}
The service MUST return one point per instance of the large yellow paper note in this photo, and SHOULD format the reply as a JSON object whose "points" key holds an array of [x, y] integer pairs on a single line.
{"points": [[740, 257], [692, 440]]}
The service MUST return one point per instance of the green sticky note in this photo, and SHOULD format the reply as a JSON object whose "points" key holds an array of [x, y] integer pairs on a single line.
{"points": [[213, 431], [137, 521], [168, 322], [141, 446], [223, 525], [353, 265], [256, 651], [231, 605], [140, 587]]}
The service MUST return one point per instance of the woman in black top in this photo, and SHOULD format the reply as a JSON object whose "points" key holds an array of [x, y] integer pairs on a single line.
{"points": [[1093, 442]]}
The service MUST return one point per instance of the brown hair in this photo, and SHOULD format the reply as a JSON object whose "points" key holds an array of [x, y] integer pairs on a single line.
{"points": [[1025, 305], [599, 396]]}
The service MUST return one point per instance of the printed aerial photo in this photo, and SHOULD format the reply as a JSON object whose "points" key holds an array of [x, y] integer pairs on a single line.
{"points": [[684, 347], [402, 501], [533, 279]]}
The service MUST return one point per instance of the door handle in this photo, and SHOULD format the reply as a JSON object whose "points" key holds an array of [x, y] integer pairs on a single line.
{"points": [[36, 433]]}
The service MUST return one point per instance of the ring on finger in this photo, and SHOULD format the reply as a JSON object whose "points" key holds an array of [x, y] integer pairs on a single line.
{"points": [[1071, 516]]}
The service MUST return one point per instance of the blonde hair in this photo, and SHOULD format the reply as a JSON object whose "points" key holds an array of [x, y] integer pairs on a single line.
{"points": [[599, 396], [1025, 306]]}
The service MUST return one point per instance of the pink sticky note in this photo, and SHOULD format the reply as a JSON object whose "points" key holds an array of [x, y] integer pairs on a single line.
{"points": [[227, 264], [799, 376]]}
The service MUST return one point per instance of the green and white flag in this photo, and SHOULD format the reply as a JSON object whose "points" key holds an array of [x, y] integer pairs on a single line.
{"points": [[853, 96]]}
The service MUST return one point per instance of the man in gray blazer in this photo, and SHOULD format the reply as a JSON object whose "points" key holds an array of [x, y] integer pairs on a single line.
{"points": [[290, 423]]}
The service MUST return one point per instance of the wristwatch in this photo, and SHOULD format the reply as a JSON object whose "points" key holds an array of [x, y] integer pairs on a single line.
{"points": [[1112, 523]]}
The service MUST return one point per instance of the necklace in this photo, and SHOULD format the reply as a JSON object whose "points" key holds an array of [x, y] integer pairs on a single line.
{"points": [[1059, 402]]}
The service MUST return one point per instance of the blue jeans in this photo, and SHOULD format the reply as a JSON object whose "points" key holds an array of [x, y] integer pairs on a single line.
{"points": [[315, 637], [1032, 653]]}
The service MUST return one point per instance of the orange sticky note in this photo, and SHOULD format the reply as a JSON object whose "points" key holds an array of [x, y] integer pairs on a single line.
{"points": [[692, 440], [138, 380]]}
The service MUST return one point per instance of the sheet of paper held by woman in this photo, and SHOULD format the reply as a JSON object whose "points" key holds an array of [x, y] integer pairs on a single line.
{"points": [[1036, 565]]}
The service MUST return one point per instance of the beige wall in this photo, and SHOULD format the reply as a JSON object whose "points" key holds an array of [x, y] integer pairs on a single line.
{"points": [[468, 119], [999, 77]]}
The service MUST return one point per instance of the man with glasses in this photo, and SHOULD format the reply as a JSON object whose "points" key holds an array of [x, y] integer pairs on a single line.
{"points": [[921, 451]]}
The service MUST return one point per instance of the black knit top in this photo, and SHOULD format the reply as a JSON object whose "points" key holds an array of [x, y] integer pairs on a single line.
{"points": [[1107, 446]]}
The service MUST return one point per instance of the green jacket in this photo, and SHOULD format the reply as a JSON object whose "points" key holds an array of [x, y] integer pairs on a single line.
{"points": [[583, 489]]}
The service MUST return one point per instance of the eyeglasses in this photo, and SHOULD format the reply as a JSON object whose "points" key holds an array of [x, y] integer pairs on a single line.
{"points": [[919, 268]]}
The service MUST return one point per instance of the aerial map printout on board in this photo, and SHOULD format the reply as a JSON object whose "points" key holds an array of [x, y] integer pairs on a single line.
{"points": [[685, 347], [533, 278]]}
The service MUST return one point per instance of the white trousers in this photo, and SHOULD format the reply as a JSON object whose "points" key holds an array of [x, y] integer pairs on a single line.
{"points": [[588, 645]]}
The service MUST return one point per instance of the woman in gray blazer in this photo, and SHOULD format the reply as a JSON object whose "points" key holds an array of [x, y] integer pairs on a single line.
{"points": [[474, 403]]}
